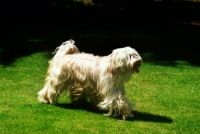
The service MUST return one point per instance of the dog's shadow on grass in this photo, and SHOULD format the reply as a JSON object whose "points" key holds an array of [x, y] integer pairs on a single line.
{"points": [[148, 117], [138, 116]]}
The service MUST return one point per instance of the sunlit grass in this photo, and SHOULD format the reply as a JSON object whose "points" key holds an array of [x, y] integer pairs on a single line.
{"points": [[166, 101]]}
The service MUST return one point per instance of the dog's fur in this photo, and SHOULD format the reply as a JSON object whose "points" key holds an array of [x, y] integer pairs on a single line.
{"points": [[85, 76]]}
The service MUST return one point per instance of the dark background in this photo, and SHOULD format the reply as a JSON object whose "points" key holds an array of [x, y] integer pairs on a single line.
{"points": [[163, 32]]}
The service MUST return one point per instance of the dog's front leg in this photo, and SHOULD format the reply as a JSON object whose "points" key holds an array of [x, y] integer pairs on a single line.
{"points": [[110, 112], [124, 108]]}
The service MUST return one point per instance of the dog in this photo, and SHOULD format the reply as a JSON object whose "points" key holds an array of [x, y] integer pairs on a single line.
{"points": [[87, 77]]}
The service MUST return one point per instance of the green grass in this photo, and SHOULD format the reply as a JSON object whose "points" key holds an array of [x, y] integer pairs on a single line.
{"points": [[166, 99]]}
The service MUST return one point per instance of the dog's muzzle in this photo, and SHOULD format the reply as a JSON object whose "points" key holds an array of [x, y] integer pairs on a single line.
{"points": [[137, 65]]}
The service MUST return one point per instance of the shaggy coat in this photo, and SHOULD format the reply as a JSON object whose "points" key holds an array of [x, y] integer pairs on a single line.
{"points": [[85, 76]]}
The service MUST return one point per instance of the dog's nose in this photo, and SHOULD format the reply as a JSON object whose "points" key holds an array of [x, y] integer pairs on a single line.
{"points": [[138, 61]]}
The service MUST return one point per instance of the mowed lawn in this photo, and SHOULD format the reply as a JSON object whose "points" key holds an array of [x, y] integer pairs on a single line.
{"points": [[167, 100]]}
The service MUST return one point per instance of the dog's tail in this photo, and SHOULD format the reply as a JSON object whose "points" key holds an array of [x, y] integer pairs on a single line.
{"points": [[66, 47]]}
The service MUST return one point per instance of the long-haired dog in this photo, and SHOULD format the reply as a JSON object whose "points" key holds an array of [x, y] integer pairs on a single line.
{"points": [[85, 76]]}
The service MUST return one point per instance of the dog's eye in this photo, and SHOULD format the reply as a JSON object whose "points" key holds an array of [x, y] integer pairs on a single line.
{"points": [[130, 56]]}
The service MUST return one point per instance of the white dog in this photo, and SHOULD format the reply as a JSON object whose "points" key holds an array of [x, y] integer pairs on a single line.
{"points": [[85, 76]]}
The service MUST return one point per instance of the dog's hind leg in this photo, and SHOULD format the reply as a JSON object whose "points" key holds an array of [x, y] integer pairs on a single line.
{"points": [[76, 95], [47, 95], [50, 92], [43, 95], [55, 92]]}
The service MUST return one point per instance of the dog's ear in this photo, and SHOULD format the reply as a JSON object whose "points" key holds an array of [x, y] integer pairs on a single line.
{"points": [[118, 60], [134, 61]]}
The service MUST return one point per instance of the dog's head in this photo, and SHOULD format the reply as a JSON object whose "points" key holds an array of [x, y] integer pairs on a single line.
{"points": [[66, 47], [125, 59]]}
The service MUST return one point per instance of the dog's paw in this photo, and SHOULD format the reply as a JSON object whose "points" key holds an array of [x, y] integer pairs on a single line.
{"points": [[41, 100], [129, 116]]}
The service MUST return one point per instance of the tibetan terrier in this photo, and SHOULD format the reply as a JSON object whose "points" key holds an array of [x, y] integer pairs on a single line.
{"points": [[98, 79]]}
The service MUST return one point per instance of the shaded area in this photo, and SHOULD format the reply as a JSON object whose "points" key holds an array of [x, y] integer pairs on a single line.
{"points": [[83, 106], [138, 116], [148, 117], [163, 32]]}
